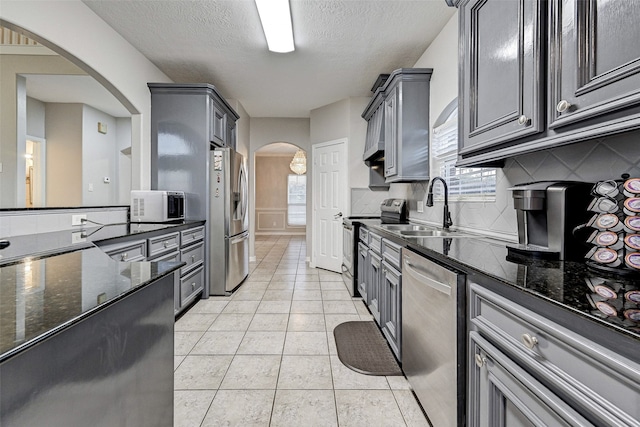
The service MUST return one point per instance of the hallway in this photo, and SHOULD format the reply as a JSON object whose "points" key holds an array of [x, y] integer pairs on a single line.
{"points": [[266, 355]]}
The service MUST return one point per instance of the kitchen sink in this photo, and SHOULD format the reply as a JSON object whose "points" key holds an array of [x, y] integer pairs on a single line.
{"points": [[432, 233], [407, 227]]}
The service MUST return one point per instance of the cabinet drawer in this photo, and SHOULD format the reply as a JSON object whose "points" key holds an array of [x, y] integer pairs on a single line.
{"points": [[134, 251], [594, 379], [191, 285], [164, 243], [191, 235], [364, 236], [375, 242], [391, 253], [170, 257], [192, 255]]}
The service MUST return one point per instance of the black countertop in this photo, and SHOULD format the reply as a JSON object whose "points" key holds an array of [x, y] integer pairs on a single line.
{"points": [[569, 285], [45, 244], [39, 297], [49, 281]]}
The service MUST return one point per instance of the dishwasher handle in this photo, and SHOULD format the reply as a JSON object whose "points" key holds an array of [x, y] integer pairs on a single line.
{"points": [[422, 275]]}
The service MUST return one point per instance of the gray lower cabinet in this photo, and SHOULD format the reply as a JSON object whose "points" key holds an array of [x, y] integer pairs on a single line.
{"points": [[192, 275], [391, 290], [505, 395], [375, 264], [391, 321], [501, 72], [363, 263], [186, 245], [532, 369], [127, 250]]}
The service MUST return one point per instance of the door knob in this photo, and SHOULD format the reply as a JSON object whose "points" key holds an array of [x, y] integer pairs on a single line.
{"points": [[338, 215], [523, 120]]}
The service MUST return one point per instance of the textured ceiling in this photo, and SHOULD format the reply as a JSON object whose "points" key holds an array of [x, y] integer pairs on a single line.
{"points": [[341, 46]]}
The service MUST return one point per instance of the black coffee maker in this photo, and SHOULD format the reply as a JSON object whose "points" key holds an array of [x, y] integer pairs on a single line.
{"points": [[547, 212]]}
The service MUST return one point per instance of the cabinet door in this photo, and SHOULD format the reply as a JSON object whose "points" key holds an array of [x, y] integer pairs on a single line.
{"points": [[391, 320], [375, 297], [391, 133], [218, 127], [501, 75], [363, 272], [231, 134], [501, 394], [594, 58]]}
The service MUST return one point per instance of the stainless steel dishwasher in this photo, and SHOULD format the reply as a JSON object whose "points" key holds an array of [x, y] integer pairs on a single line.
{"points": [[433, 344]]}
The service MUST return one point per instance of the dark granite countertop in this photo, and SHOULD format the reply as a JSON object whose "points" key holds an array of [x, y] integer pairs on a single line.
{"points": [[49, 281], [569, 285], [41, 296], [45, 244]]}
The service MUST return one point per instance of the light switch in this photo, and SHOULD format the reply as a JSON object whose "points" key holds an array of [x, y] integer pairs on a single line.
{"points": [[420, 206], [90, 187]]}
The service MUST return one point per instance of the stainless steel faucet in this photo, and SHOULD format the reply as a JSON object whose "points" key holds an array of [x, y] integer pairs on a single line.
{"points": [[446, 220]]}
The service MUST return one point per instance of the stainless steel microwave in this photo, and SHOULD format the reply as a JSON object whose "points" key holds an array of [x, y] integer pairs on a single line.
{"points": [[157, 206]]}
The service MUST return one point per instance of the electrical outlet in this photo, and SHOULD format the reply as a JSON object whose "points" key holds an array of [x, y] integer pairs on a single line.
{"points": [[420, 206], [78, 237], [77, 219]]}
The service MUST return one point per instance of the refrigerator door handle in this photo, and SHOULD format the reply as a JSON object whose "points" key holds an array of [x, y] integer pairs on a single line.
{"points": [[239, 239], [243, 192]]}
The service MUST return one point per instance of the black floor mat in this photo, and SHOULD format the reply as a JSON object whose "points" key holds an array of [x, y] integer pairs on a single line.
{"points": [[362, 348]]}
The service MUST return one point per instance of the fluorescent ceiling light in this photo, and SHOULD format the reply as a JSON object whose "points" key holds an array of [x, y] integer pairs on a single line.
{"points": [[275, 16]]}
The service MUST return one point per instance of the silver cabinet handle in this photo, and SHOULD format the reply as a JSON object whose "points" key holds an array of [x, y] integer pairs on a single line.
{"points": [[193, 286], [480, 361], [165, 243], [523, 120], [123, 257], [193, 258], [563, 106], [529, 341]]}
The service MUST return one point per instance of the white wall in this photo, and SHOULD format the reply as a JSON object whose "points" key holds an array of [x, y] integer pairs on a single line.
{"points": [[64, 154], [123, 138], [73, 30], [99, 158], [35, 118]]}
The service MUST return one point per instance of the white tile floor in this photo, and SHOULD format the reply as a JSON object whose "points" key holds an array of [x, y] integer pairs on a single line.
{"points": [[266, 355]]}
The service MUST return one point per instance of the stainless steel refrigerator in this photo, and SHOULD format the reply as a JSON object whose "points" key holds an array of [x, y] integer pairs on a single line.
{"points": [[228, 222]]}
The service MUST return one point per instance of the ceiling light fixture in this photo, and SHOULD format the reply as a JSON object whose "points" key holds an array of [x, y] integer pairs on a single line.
{"points": [[275, 16], [299, 163]]}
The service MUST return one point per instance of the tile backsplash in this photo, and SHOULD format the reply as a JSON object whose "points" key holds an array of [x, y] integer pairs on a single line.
{"points": [[585, 161], [366, 202], [32, 221]]}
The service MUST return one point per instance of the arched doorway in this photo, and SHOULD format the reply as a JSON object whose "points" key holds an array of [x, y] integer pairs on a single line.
{"points": [[280, 191]]}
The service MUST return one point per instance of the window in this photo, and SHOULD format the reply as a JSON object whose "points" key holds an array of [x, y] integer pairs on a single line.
{"points": [[465, 183], [297, 200]]}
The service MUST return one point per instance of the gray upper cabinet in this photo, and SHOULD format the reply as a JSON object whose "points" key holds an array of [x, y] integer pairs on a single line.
{"points": [[501, 72], [538, 74], [595, 61], [218, 126], [397, 141], [374, 115], [406, 125]]}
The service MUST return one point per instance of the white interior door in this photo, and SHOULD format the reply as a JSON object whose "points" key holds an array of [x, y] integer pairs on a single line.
{"points": [[329, 202]]}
